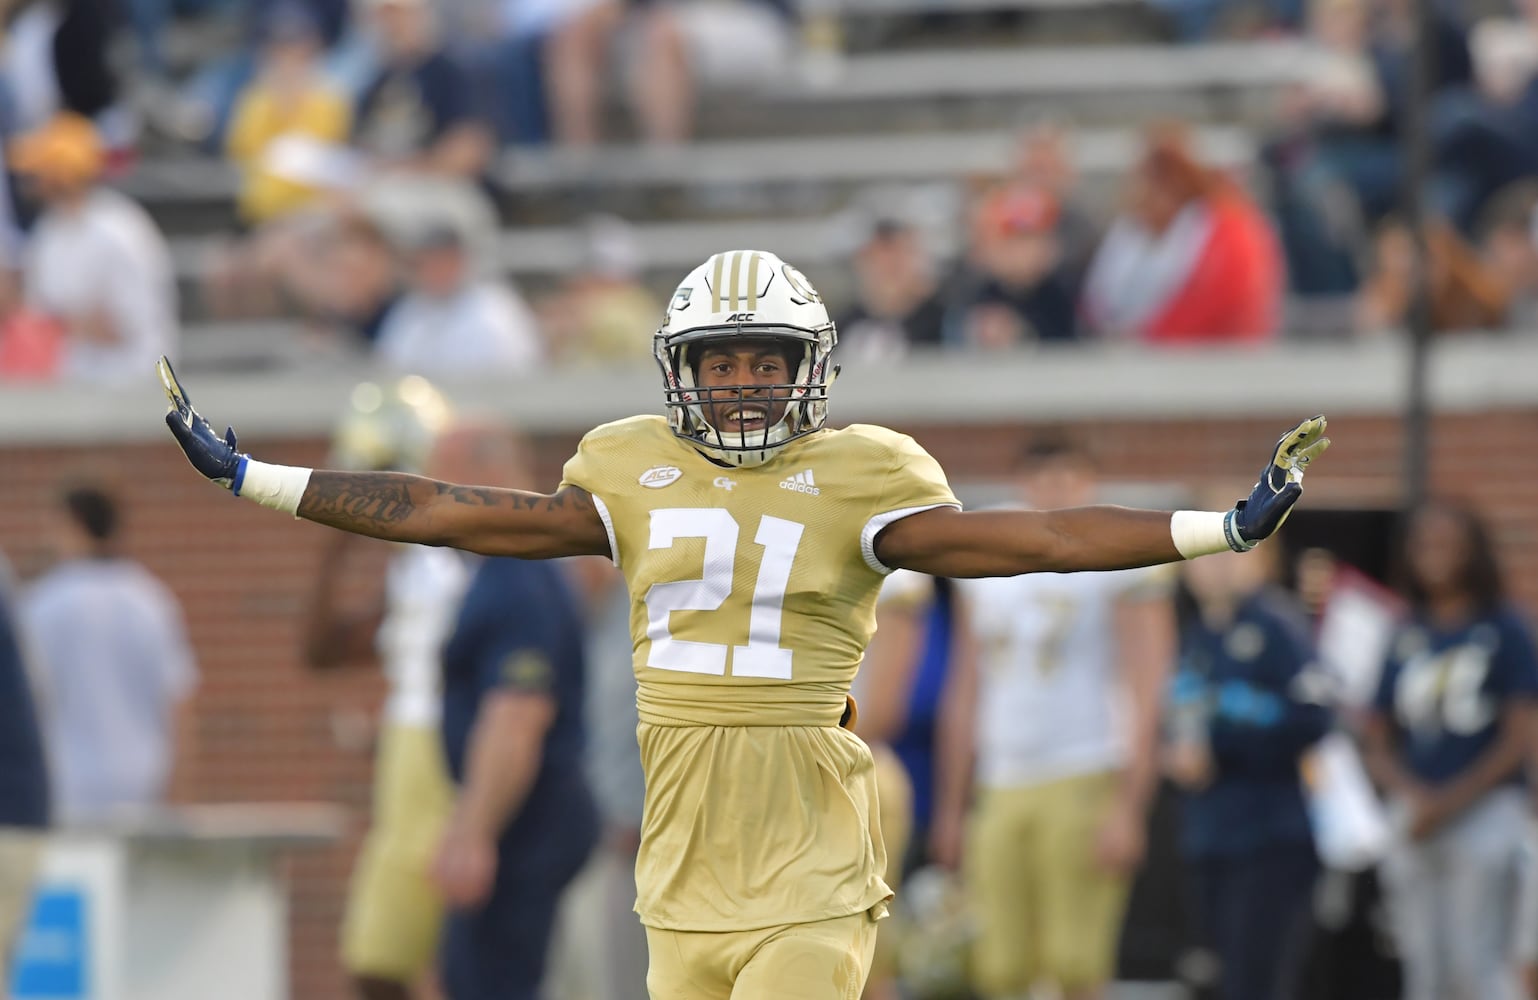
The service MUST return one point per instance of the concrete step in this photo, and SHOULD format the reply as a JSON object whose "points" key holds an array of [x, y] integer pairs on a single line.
{"points": [[980, 87], [709, 179]]}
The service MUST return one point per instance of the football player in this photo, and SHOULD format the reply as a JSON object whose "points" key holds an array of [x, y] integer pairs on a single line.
{"points": [[754, 540], [393, 915]]}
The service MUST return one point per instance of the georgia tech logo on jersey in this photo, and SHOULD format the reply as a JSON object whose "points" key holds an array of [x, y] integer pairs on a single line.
{"points": [[659, 476], [724, 483], [801, 482]]}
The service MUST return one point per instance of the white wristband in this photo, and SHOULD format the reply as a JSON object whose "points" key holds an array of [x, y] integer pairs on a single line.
{"points": [[1199, 532], [275, 486]]}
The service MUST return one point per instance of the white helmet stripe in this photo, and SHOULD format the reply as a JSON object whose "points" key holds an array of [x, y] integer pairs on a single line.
{"points": [[752, 282]]}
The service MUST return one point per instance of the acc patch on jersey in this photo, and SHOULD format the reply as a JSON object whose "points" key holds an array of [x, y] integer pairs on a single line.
{"points": [[659, 476]]}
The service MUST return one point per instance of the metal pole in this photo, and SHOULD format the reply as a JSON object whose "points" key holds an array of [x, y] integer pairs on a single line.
{"points": [[1417, 151]]}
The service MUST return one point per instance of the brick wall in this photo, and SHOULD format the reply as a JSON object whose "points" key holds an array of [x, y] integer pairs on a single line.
{"points": [[268, 730]]}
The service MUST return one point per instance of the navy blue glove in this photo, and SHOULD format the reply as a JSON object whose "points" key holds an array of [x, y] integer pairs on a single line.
{"points": [[1279, 487], [214, 457]]}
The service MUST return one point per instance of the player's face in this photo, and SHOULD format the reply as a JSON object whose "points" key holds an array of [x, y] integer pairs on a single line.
{"points": [[739, 374]]}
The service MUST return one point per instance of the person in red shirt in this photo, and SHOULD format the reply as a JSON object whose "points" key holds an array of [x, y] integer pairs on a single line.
{"points": [[1190, 259]]}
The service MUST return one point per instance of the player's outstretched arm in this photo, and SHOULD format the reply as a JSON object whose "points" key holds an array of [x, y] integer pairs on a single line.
{"points": [[948, 542], [396, 506]]}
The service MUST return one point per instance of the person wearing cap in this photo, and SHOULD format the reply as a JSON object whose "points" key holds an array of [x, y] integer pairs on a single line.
{"points": [[95, 261], [1020, 296], [451, 322]]}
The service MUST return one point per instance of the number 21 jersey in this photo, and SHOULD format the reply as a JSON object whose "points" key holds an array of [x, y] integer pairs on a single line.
{"points": [[753, 597]]}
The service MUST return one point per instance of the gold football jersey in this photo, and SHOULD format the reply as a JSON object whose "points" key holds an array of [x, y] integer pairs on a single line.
{"points": [[753, 597]]}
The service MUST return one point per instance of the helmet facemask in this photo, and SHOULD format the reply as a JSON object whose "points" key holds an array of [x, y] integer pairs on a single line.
{"points": [[805, 397]]}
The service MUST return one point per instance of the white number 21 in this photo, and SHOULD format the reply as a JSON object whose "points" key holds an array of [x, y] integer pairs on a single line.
{"points": [[762, 656]]}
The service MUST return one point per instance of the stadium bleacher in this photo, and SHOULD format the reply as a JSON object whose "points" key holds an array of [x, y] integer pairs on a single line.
{"points": [[796, 168]]}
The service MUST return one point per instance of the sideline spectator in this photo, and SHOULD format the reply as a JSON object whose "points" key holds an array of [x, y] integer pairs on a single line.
{"points": [[449, 322], [115, 663], [897, 304], [524, 821], [393, 915], [1447, 743], [1065, 721], [23, 778], [1021, 295], [1239, 731], [95, 261], [1191, 259]]}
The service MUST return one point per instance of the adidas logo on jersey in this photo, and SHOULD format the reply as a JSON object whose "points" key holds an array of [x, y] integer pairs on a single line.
{"points": [[801, 482]]}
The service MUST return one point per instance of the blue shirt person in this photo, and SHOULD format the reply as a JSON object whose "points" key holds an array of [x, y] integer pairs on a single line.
{"points": [[1444, 685], [1241, 726], [1447, 739], [1243, 679], [525, 821]]}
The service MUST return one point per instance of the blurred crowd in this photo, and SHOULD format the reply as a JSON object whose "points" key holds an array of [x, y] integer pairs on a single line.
{"points": [[367, 138]]}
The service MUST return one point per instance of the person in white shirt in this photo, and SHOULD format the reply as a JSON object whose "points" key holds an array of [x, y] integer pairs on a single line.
{"points": [[115, 664], [451, 323], [94, 261], [1057, 726]]}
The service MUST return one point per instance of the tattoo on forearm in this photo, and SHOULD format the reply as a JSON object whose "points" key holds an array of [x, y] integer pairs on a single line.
{"points": [[485, 496], [371, 502], [358, 500]]}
